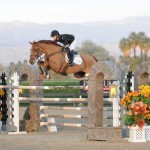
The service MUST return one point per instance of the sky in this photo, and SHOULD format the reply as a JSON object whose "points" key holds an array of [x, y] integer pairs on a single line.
{"points": [[71, 11]]}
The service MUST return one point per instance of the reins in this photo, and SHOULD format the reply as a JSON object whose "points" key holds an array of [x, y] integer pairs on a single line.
{"points": [[54, 53], [50, 55]]}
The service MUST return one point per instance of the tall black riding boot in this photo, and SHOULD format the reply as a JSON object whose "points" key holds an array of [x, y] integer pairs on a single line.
{"points": [[71, 57]]}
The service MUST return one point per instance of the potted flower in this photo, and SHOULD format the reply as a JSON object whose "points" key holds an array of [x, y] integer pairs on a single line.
{"points": [[137, 105], [135, 114]]}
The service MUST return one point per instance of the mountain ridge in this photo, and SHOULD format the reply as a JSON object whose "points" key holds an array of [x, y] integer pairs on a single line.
{"points": [[15, 35]]}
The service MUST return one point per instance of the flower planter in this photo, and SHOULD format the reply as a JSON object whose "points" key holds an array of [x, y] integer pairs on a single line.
{"points": [[137, 134], [147, 133]]}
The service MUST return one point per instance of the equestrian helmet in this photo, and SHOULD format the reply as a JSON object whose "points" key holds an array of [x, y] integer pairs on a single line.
{"points": [[54, 33]]}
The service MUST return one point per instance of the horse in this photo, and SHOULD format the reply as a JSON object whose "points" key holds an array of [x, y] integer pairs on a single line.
{"points": [[55, 59]]}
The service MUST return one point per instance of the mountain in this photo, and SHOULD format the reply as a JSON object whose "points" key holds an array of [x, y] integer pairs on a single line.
{"points": [[14, 36]]}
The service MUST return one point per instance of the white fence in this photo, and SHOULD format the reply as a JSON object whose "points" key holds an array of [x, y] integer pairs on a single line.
{"points": [[14, 102]]}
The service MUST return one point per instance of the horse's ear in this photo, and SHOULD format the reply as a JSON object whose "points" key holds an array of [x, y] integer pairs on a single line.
{"points": [[30, 42]]}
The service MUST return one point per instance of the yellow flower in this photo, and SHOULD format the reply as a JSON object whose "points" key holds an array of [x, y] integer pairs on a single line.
{"points": [[2, 92]]}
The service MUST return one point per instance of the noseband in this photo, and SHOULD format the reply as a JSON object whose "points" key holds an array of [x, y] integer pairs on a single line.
{"points": [[36, 55]]}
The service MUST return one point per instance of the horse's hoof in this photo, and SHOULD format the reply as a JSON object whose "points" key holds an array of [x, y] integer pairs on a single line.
{"points": [[48, 76]]}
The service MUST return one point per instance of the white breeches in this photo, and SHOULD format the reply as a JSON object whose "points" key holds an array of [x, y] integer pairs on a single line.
{"points": [[73, 45]]}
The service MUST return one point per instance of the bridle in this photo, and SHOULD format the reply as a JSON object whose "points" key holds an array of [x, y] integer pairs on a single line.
{"points": [[42, 52], [36, 55]]}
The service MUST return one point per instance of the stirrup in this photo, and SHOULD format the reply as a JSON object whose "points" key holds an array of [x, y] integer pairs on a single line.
{"points": [[71, 64]]}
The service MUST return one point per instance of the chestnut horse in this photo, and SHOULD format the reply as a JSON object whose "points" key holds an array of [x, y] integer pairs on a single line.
{"points": [[55, 59]]}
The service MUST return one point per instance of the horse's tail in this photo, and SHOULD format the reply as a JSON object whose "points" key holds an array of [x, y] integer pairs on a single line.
{"points": [[95, 58]]}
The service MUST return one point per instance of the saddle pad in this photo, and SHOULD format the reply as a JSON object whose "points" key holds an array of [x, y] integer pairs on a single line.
{"points": [[77, 59]]}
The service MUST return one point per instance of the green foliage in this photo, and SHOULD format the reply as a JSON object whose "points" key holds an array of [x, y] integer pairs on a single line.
{"points": [[134, 39], [131, 62], [134, 62], [89, 47], [124, 44], [129, 120]]}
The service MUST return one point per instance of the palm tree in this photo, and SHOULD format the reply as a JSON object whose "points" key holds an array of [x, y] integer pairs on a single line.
{"points": [[134, 41], [125, 46], [146, 48], [141, 40]]}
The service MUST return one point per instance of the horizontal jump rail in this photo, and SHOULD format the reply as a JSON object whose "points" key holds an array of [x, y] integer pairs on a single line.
{"points": [[70, 116], [41, 87], [63, 124], [69, 125], [64, 108], [53, 99], [72, 108], [60, 99], [64, 116]]}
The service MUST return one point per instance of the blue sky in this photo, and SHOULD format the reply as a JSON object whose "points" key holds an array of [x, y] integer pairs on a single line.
{"points": [[71, 11]]}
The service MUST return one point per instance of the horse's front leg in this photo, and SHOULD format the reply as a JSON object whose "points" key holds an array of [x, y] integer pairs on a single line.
{"points": [[40, 65], [44, 69], [47, 69]]}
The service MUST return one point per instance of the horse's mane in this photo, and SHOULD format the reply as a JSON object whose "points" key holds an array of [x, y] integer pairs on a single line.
{"points": [[49, 42]]}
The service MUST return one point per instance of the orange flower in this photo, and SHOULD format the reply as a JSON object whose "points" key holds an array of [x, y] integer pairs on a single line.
{"points": [[130, 113], [137, 104]]}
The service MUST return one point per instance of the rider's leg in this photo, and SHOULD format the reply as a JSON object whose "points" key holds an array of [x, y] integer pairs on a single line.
{"points": [[72, 53], [67, 49]]}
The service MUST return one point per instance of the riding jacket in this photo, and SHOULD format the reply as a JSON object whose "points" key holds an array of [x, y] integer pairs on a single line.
{"points": [[66, 39]]}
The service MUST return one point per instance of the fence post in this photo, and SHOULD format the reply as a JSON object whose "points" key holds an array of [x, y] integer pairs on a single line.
{"points": [[15, 92], [116, 122]]}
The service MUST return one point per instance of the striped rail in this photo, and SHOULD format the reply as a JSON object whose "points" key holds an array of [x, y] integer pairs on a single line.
{"points": [[41, 87], [67, 124], [70, 116], [53, 99], [72, 108], [64, 108], [63, 116], [63, 124], [59, 99]]}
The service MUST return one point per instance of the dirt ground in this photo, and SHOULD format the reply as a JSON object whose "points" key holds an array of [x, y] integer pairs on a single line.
{"points": [[67, 138]]}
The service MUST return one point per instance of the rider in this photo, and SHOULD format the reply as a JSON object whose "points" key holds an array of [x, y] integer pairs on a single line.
{"points": [[68, 41]]}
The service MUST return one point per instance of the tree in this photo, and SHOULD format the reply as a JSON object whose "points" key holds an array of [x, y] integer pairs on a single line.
{"points": [[89, 47], [11, 69], [141, 41], [146, 48], [133, 38], [125, 46], [25, 61]]}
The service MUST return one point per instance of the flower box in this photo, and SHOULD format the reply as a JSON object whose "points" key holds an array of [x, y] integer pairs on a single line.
{"points": [[137, 134], [147, 133]]}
